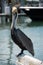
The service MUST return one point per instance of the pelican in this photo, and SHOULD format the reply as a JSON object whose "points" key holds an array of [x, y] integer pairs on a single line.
{"points": [[19, 37]]}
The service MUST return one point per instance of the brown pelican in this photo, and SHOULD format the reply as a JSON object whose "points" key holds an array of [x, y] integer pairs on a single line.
{"points": [[19, 37]]}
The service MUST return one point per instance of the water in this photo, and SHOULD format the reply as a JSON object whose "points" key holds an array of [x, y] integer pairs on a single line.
{"points": [[9, 50]]}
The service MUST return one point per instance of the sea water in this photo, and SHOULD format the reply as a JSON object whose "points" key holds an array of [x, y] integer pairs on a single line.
{"points": [[9, 50]]}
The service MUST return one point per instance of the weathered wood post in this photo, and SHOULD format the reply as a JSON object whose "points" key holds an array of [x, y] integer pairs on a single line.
{"points": [[3, 3]]}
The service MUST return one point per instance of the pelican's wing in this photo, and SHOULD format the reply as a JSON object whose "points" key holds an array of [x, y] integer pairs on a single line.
{"points": [[26, 42]]}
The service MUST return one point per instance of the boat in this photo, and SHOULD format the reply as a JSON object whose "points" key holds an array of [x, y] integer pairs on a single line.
{"points": [[35, 13]]}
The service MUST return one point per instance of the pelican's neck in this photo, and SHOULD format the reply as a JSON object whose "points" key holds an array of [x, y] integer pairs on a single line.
{"points": [[14, 20]]}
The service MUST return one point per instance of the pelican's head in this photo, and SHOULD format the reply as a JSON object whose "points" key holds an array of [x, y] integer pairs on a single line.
{"points": [[14, 10]]}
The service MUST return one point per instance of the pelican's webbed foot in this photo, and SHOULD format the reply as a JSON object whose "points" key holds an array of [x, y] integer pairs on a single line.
{"points": [[20, 53]]}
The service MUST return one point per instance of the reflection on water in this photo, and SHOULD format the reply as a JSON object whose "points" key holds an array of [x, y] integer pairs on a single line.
{"points": [[9, 50], [4, 40]]}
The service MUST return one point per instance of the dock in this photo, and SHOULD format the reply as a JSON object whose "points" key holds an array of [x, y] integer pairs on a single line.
{"points": [[3, 16]]}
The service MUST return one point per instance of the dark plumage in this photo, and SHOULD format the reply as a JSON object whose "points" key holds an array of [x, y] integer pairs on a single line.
{"points": [[21, 39]]}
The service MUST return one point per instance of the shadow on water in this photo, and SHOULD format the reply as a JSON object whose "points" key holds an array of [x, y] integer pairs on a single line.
{"points": [[35, 23]]}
